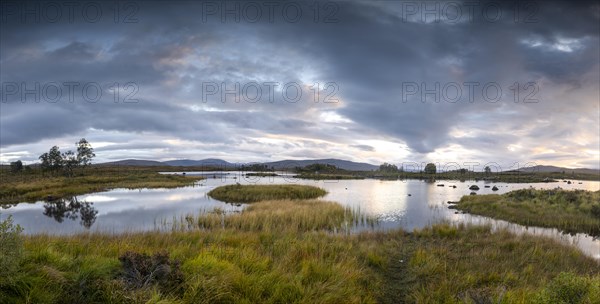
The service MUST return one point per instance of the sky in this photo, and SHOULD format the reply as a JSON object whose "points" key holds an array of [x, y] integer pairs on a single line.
{"points": [[469, 83]]}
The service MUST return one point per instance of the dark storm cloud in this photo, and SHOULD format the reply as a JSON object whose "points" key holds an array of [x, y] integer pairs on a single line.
{"points": [[370, 50], [362, 51]]}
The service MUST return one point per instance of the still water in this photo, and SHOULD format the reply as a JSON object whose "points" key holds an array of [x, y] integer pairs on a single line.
{"points": [[407, 204]]}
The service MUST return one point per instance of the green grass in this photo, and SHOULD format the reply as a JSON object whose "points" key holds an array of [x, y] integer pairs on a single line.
{"points": [[35, 186], [254, 193], [570, 211], [254, 258], [441, 264], [470, 264]]}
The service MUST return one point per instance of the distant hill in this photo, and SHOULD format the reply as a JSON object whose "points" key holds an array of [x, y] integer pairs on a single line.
{"points": [[342, 164], [278, 165], [292, 163], [204, 162], [550, 169], [134, 162]]}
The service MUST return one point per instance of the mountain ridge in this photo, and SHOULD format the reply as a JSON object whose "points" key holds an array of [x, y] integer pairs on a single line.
{"points": [[549, 169], [281, 164], [292, 163]]}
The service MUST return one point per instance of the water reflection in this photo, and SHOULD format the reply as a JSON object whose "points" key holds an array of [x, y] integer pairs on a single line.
{"points": [[71, 208], [407, 204]]}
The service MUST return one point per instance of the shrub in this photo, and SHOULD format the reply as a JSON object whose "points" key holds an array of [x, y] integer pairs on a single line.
{"points": [[569, 288], [596, 211], [16, 167], [11, 248], [522, 194], [142, 270]]}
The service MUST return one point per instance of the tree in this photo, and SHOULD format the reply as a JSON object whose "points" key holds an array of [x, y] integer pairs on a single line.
{"points": [[385, 167], [16, 167], [54, 160], [318, 168], [69, 162], [430, 168], [51, 160], [45, 159], [487, 170], [85, 153]]}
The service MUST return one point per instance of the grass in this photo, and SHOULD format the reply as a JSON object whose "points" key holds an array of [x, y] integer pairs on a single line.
{"points": [[470, 264], [282, 215], [254, 193], [327, 176], [35, 186], [254, 258], [570, 211], [251, 264]]}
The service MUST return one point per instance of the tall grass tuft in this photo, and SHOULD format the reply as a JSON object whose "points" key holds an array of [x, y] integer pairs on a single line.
{"points": [[279, 215]]}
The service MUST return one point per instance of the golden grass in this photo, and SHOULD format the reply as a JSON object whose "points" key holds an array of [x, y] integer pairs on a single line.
{"points": [[255, 193], [280, 215], [16, 188], [284, 251]]}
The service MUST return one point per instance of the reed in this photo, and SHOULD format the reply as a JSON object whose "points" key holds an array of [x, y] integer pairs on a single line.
{"points": [[281, 215]]}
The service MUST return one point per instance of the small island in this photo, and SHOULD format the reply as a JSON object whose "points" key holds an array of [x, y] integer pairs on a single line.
{"points": [[254, 193]]}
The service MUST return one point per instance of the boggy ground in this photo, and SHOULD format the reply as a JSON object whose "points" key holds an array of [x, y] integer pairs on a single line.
{"points": [[294, 251]]}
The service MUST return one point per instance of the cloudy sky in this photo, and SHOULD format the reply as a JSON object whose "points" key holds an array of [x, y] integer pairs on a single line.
{"points": [[372, 81]]}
